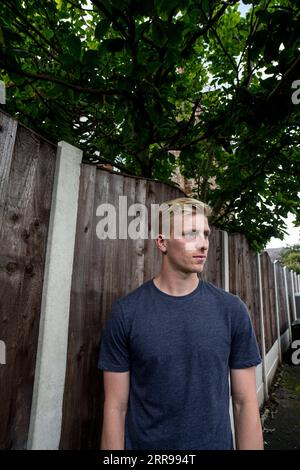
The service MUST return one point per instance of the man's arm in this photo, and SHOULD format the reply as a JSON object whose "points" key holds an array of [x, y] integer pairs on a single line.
{"points": [[247, 423], [116, 390]]}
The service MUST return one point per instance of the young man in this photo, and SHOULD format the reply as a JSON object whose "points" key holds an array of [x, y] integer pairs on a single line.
{"points": [[167, 350]]}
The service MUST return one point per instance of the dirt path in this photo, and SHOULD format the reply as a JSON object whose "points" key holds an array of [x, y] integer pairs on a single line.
{"points": [[281, 413]]}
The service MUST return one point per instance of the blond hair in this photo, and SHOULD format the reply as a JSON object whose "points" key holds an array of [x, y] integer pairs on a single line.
{"points": [[186, 205]]}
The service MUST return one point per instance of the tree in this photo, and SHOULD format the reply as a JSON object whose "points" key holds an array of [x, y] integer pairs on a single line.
{"points": [[130, 81], [290, 257]]}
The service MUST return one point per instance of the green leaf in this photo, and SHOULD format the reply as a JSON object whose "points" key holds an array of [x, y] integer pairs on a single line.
{"points": [[166, 6], [48, 33], [153, 66], [114, 45], [143, 8], [68, 61], [205, 4], [74, 46], [120, 4], [91, 58], [272, 70], [102, 28]]}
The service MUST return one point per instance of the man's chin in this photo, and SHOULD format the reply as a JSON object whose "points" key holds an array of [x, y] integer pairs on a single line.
{"points": [[197, 269]]}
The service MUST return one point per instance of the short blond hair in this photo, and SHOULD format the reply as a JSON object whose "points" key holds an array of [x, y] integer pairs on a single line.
{"points": [[188, 203], [176, 206]]}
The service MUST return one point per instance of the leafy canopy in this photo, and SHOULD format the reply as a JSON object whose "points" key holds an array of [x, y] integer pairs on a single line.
{"points": [[130, 81]]}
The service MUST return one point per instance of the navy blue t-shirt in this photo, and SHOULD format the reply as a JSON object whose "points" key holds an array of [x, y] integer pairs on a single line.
{"points": [[179, 350]]}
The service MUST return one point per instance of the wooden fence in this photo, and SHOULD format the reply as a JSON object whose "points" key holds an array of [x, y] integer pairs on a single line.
{"points": [[73, 293]]}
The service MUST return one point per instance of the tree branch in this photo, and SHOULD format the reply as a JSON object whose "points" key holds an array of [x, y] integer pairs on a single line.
{"points": [[285, 77], [205, 29], [51, 79], [29, 25], [110, 16], [19, 26]]}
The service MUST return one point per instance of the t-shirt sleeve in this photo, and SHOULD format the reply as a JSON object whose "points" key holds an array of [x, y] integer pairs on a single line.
{"points": [[114, 351], [244, 348]]}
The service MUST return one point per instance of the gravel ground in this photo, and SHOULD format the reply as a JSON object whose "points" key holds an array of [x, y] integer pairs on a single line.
{"points": [[281, 413]]}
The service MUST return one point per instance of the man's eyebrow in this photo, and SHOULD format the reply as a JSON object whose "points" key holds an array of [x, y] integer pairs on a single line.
{"points": [[192, 230]]}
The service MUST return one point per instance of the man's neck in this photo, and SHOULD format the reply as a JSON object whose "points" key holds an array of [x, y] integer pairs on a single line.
{"points": [[177, 284]]}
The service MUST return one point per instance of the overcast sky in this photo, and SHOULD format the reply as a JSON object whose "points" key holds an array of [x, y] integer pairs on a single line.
{"points": [[244, 8], [291, 239]]}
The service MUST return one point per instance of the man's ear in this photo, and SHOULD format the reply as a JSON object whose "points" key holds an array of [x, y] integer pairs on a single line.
{"points": [[161, 243]]}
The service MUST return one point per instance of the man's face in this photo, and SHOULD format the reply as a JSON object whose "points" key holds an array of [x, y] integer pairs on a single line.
{"points": [[187, 247]]}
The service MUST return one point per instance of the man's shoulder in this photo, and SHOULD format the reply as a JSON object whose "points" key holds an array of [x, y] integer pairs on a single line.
{"points": [[228, 298], [132, 298]]}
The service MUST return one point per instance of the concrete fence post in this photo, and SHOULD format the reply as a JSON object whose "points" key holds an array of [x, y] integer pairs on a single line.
{"points": [[287, 301], [47, 402], [262, 329], [225, 261], [277, 312], [293, 294]]}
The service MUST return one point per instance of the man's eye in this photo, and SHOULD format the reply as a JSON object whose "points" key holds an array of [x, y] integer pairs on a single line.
{"points": [[190, 235]]}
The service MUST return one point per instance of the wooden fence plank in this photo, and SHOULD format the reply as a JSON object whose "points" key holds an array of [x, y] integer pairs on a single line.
{"points": [[8, 130], [213, 271]]}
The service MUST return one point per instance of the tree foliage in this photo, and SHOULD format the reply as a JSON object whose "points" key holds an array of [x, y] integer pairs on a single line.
{"points": [[290, 258], [131, 81]]}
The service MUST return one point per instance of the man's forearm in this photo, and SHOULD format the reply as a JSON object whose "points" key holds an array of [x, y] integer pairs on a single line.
{"points": [[113, 429], [247, 424]]}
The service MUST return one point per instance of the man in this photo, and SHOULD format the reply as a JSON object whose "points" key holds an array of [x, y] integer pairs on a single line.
{"points": [[168, 347]]}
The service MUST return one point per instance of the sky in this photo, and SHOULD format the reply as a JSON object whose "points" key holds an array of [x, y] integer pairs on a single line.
{"points": [[291, 239], [244, 8]]}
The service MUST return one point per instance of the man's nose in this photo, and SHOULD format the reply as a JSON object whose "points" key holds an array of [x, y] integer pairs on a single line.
{"points": [[202, 243]]}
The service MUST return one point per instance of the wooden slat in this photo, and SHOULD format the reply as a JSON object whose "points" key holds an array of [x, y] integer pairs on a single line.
{"points": [[8, 130], [213, 266]]}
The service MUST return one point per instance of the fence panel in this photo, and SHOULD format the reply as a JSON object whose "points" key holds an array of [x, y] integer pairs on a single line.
{"points": [[243, 277], [27, 164]]}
